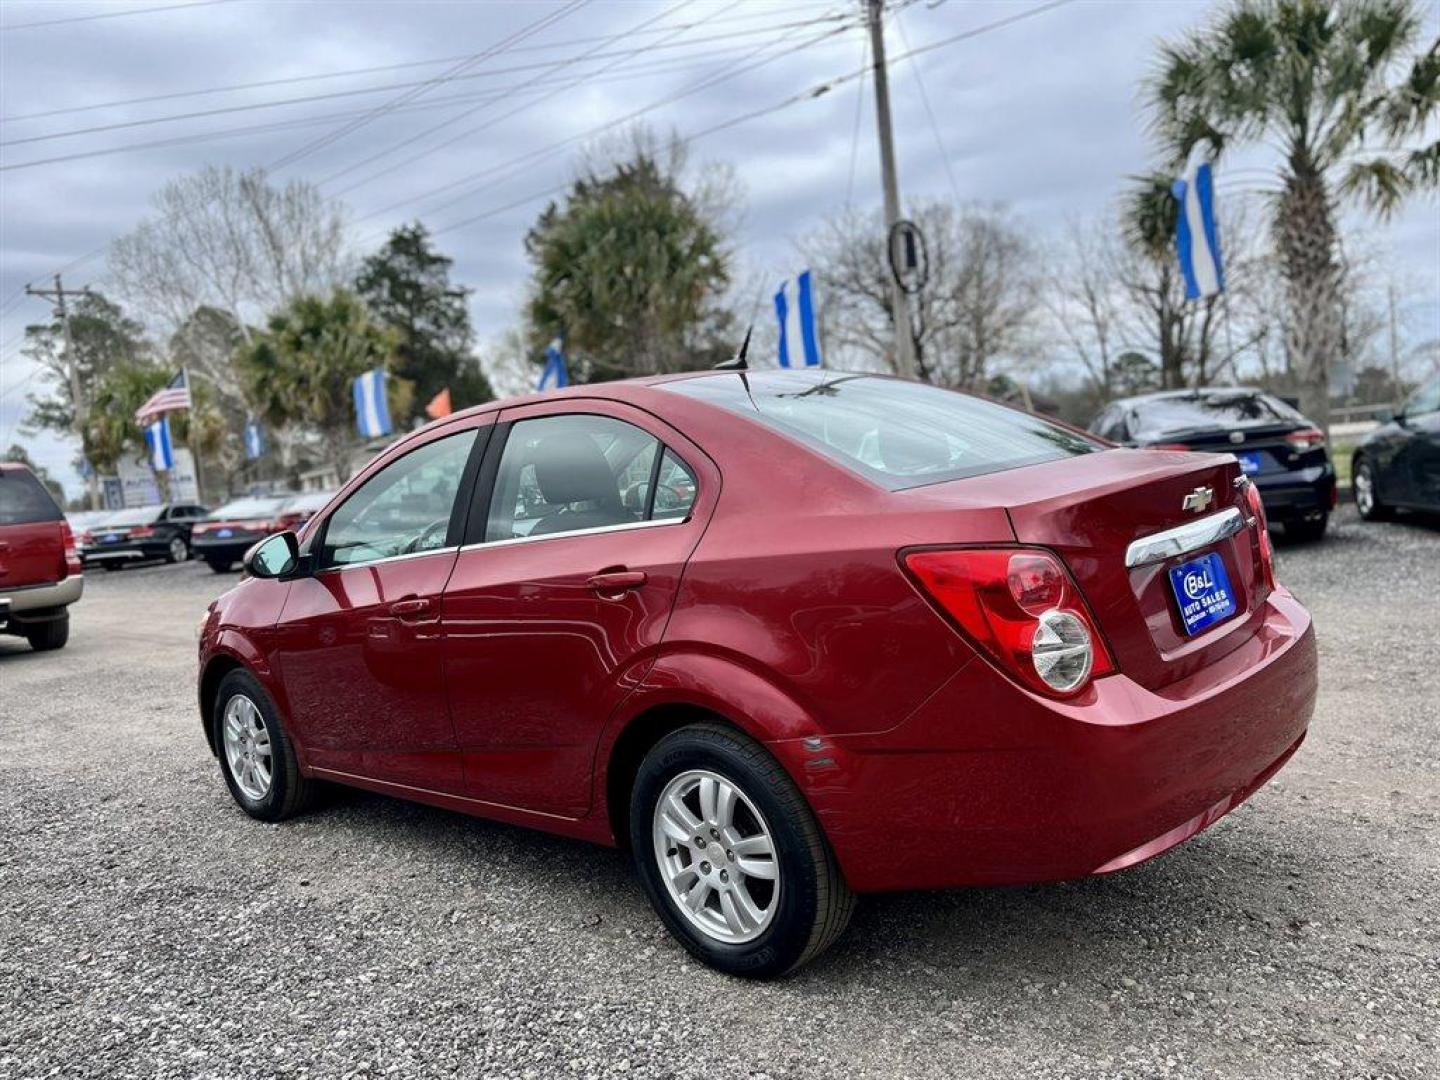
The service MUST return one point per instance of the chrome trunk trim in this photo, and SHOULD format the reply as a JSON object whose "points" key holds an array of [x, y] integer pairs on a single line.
{"points": [[1184, 539]]}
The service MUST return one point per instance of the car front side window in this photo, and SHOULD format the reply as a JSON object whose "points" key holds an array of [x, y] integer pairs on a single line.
{"points": [[404, 509]]}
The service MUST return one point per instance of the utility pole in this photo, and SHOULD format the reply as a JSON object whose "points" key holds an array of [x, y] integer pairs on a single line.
{"points": [[79, 408], [900, 302], [1395, 349]]}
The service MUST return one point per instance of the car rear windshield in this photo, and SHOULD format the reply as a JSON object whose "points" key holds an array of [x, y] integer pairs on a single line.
{"points": [[24, 500], [1244, 408], [248, 508], [897, 434], [139, 515]]}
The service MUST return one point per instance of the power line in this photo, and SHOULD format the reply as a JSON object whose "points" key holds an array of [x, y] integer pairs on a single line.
{"points": [[111, 15], [543, 66], [549, 93], [628, 72], [380, 68], [855, 130], [494, 50], [805, 95], [934, 125], [546, 151]]}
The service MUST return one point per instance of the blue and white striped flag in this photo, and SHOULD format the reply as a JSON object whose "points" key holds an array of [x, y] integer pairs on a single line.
{"points": [[372, 413], [157, 441], [254, 440], [555, 374], [795, 312], [1197, 240]]}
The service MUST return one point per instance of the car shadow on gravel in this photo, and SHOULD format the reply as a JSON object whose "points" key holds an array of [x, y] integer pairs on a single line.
{"points": [[1245, 873]]}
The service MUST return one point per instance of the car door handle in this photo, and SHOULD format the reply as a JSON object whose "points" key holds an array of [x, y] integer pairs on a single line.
{"points": [[416, 605], [617, 581]]}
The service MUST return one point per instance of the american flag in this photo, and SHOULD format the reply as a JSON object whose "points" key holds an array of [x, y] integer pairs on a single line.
{"points": [[173, 395]]}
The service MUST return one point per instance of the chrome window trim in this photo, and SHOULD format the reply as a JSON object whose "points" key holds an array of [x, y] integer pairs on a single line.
{"points": [[592, 531], [387, 559], [1184, 539]]}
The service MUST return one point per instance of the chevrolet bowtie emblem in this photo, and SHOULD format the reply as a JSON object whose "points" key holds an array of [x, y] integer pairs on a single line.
{"points": [[1198, 499]]}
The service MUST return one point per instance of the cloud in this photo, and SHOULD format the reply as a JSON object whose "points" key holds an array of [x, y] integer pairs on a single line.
{"points": [[1042, 114]]}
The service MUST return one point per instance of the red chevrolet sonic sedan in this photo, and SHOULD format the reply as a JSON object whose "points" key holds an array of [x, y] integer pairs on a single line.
{"points": [[787, 636]]}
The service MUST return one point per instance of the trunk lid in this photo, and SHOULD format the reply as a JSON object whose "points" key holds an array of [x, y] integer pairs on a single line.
{"points": [[1091, 509]]}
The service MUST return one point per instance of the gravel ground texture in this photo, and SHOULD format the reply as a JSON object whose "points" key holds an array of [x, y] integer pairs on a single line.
{"points": [[148, 928]]}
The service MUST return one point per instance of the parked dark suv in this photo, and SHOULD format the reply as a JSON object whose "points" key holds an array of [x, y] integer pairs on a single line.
{"points": [[1281, 451], [40, 572]]}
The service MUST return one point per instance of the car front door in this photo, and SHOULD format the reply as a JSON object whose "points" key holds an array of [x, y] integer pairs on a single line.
{"points": [[359, 649], [1419, 458], [586, 514]]}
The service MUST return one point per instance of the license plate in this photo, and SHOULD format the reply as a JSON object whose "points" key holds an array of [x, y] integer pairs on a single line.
{"points": [[223, 533], [1249, 463], [110, 538], [1202, 589]]}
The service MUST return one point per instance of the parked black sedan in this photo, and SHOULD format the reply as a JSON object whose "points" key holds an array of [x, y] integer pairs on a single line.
{"points": [[1281, 451], [144, 532], [1398, 464]]}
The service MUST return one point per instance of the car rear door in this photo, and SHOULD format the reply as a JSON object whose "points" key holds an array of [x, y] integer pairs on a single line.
{"points": [[561, 595], [32, 548], [359, 640]]}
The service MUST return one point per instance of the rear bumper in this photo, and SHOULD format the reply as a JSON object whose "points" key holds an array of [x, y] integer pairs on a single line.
{"points": [[229, 548], [1297, 495], [127, 552], [33, 598], [988, 784]]}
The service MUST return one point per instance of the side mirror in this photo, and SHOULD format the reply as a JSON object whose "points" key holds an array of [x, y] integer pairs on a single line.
{"points": [[273, 557]]}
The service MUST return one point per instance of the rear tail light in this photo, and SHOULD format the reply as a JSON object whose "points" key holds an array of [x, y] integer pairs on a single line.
{"points": [[70, 558], [141, 531], [1262, 534], [1305, 439], [1021, 608]]}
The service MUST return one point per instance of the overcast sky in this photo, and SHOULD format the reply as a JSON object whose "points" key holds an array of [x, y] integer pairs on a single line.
{"points": [[1042, 114]]}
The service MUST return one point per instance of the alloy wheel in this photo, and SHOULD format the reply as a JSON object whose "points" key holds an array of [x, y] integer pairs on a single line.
{"points": [[178, 551], [247, 747], [1364, 491], [716, 856]]}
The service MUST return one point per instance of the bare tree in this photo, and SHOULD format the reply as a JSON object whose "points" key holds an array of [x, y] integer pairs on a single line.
{"points": [[230, 240], [975, 311], [1085, 302]]}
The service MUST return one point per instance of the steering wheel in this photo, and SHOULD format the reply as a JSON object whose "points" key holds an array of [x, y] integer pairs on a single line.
{"points": [[420, 542]]}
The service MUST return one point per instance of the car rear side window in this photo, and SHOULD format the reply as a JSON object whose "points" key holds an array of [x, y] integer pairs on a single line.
{"points": [[570, 473], [897, 434], [24, 500]]}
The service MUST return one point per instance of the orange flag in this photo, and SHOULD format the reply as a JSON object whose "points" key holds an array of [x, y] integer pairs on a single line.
{"points": [[439, 405]]}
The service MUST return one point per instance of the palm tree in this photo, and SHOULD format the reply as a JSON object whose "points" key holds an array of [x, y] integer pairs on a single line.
{"points": [[1338, 87]]}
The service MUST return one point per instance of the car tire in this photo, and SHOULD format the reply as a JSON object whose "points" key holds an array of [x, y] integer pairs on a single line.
{"points": [[177, 551], [1367, 495], [1307, 531], [220, 566], [46, 636], [798, 902], [268, 785]]}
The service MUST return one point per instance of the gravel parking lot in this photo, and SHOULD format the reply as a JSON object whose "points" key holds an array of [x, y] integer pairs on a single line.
{"points": [[148, 928]]}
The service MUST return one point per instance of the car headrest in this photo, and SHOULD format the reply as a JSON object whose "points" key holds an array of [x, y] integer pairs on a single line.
{"points": [[569, 468], [906, 452]]}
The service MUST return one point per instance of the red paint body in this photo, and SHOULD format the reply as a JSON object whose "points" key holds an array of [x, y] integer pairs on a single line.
{"points": [[782, 606]]}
